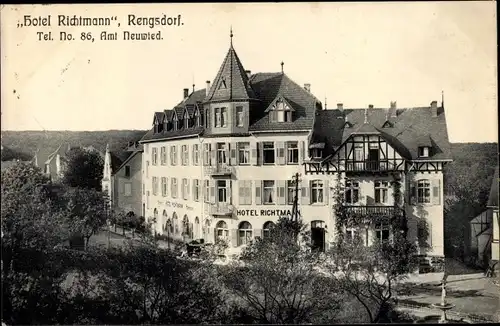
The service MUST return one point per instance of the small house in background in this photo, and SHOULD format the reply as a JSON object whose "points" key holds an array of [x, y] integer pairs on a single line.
{"points": [[122, 178]]}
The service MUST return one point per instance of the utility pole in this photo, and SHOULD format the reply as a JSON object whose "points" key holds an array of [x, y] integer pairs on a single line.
{"points": [[295, 207]]}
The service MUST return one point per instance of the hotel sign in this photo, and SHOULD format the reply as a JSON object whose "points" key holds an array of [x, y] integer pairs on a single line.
{"points": [[264, 212]]}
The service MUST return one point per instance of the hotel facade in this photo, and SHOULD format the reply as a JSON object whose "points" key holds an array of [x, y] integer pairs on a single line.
{"points": [[221, 163]]}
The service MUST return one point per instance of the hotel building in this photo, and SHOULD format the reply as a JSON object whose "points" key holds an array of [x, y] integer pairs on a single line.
{"points": [[221, 163]]}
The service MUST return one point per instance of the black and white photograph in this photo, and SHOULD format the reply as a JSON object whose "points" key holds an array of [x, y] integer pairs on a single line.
{"points": [[249, 163]]}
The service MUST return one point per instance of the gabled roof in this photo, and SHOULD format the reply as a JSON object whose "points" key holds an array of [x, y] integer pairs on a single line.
{"points": [[234, 79], [267, 87], [158, 117], [493, 198], [276, 100]]}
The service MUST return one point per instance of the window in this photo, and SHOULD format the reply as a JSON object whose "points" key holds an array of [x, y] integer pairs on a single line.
{"points": [[243, 153], [218, 122], [382, 232], [206, 154], [164, 186], [185, 155], [316, 191], [268, 192], [244, 233], [268, 151], [175, 124], [222, 191], [223, 117], [221, 153], [163, 155], [155, 186], [423, 151], [196, 154], [196, 190], [127, 171], [351, 234], [381, 191], [239, 116], [206, 191], [316, 153], [423, 191], [221, 230], [245, 192], [154, 156], [128, 189], [290, 185], [173, 155], [281, 112], [207, 118], [173, 190], [185, 189], [266, 231], [293, 152], [352, 192], [186, 121]]}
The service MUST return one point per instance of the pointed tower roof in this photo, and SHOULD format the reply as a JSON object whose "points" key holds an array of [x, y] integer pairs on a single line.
{"points": [[231, 81]]}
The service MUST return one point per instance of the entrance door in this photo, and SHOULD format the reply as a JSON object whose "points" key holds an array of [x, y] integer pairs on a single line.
{"points": [[318, 233], [373, 160]]}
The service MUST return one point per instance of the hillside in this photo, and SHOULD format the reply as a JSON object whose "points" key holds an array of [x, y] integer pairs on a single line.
{"points": [[25, 143]]}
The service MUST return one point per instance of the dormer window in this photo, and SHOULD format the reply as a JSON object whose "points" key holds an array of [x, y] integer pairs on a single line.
{"points": [[423, 151], [175, 124], [316, 153], [347, 124], [186, 122], [197, 120], [280, 111], [387, 124]]}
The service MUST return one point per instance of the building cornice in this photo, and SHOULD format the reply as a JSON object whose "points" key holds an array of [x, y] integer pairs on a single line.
{"points": [[169, 138]]}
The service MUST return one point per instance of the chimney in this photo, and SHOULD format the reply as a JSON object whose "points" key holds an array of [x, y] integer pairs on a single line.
{"points": [[307, 87], [186, 93], [208, 87], [434, 107], [393, 112], [370, 106], [249, 73], [340, 106]]}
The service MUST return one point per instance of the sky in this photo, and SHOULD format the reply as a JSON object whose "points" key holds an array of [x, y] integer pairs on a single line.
{"points": [[351, 53]]}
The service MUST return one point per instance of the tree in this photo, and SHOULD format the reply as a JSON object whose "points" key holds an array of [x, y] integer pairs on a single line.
{"points": [[279, 281], [84, 169], [85, 211], [31, 228]]}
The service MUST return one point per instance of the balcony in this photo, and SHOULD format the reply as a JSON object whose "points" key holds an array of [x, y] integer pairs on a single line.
{"points": [[220, 169], [221, 209], [369, 166]]}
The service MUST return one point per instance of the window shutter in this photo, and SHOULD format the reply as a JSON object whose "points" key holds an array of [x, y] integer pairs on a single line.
{"points": [[253, 153], [436, 192], [166, 186], [326, 192], [258, 192], [413, 194], [232, 159], [260, 153], [281, 192], [212, 192], [194, 190], [213, 159], [248, 192], [301, 152], [305, 196], [187, 189], [234, 237], [229, 191], [280, 152], [193, 153], [241, 191], [228, 152]]}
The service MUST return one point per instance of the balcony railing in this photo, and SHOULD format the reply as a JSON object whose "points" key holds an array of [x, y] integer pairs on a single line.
{"points": [[373, 211], [219, 169], [369, 166], [221, 209]]}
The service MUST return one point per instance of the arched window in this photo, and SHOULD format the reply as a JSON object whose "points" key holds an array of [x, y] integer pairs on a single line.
{"points": [[245, 233], [169, 227], [175, 222], [221, 230], [266, 230], [155, 215], [164, 220], [196, 227], [423, 191]]}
